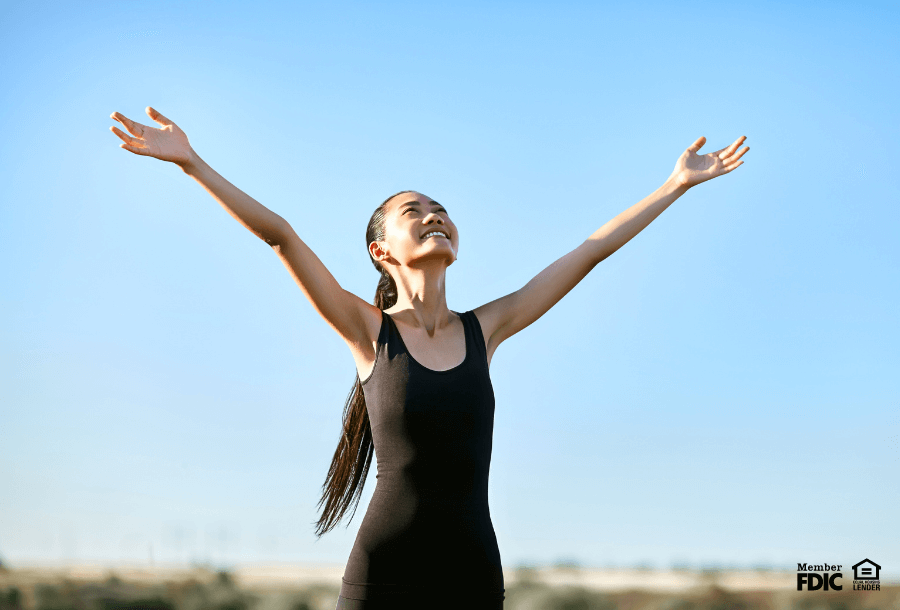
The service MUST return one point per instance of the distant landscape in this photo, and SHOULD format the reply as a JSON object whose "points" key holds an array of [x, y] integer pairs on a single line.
{"points": [[315, 587]]}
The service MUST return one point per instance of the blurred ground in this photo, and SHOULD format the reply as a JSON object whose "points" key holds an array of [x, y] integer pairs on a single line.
{"points": [[315, 587]]}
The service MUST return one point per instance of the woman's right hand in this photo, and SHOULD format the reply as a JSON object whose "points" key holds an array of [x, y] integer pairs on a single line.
{"points": [[169, 143]]}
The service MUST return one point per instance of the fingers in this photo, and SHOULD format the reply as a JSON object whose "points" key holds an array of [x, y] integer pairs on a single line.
{"points": [[727, 152], [728, 159], [696, 145], [734, 158], [130, 144], [126, 138], [732, 166], [134, 149], [135, 129], [156, 116]]}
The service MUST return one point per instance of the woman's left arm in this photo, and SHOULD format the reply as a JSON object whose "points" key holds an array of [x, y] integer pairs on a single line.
{"points": [[504, 317]]}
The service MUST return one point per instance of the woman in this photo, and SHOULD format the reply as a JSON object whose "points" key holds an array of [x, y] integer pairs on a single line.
{"points": [[423, 396]]}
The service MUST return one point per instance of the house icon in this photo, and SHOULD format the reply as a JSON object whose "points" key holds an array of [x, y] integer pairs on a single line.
{"points": [[864, 570]]}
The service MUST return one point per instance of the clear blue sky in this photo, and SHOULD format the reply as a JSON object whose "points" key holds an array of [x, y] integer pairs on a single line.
{"points": [[723, 390]]}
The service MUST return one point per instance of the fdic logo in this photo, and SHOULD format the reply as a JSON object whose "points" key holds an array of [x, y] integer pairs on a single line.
{"points": [[807, 575], [865, 576]]}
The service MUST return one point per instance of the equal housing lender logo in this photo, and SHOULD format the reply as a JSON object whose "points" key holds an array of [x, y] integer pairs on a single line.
{"points": [[826, 577], [866, 576]]}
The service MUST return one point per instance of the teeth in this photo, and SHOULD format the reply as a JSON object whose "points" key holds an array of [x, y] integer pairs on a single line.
{"points": [[434, 233]]}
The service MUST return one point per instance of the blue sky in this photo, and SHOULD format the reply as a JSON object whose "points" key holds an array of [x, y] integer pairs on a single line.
{"points": [[723, 390]]}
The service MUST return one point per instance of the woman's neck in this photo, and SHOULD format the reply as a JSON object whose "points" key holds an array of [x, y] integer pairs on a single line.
{"points": [[422, 298]]}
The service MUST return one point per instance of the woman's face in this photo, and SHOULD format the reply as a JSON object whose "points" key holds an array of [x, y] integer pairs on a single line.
{"points": [[412, 216]]}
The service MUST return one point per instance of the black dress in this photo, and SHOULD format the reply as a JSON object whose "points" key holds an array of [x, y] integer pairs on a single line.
{"points": [[427, 539]]}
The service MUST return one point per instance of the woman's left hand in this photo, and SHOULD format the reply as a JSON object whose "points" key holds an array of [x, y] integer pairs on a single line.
{"points": [[692, 169]]}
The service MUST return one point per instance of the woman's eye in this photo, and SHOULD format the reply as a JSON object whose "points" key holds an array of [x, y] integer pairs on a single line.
{"points": [[414, 210]]}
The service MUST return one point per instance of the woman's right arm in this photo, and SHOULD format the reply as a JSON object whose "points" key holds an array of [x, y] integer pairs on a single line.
{"points": [[354, 319], [351, 317], [257, 218]]}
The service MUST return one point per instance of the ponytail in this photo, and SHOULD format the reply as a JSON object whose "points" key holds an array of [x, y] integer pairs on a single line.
{"points": [[350, 464]]}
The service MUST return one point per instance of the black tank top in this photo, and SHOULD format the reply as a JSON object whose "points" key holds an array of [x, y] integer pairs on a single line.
{"points": [[428, 529]]}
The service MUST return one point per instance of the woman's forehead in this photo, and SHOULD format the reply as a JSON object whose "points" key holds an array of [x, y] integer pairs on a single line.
{"points": [[413, 197]]}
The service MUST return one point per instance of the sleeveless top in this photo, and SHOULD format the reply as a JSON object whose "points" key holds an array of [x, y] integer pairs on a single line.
{"points": [[428, 529]]}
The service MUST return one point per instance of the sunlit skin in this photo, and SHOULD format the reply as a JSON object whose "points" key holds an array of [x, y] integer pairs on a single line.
{"points": [[432, 333], [419, 267]]}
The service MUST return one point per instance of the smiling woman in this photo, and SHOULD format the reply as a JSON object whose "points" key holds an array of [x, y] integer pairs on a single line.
{"points": [[427, 540]]}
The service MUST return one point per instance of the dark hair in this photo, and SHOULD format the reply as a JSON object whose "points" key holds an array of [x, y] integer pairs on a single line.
{"points": [[347, 474]]}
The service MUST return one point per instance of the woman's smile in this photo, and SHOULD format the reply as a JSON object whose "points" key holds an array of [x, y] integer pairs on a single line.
{"points": [[434, 234]]}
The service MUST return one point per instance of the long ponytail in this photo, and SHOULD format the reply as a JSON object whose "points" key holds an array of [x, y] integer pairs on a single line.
{"points": [[350, 465]]}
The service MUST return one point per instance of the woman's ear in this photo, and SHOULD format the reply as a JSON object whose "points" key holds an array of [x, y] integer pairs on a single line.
{"points": [[377, 250]]}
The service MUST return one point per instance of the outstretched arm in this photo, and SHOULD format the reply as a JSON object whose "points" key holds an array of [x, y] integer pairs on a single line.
{"points": [[170, 143], [353, 318], [504, 317]]}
